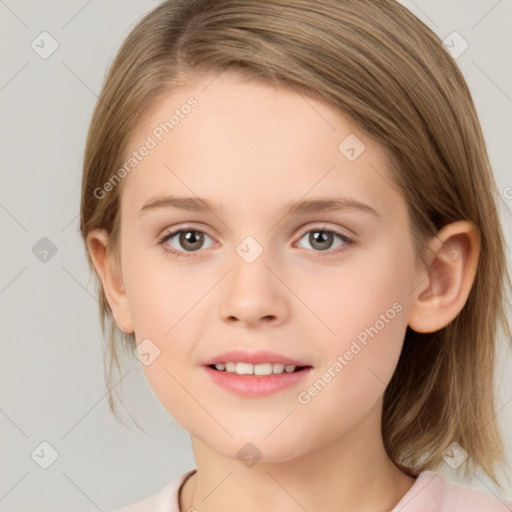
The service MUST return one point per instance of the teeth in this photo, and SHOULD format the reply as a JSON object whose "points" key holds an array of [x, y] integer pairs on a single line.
{"points": [[244, 368], [230, 367], [255, 369], [277, 368], [262, 369]]}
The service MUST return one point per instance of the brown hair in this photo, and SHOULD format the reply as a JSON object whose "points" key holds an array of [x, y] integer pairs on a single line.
{"points": [[388, 73]]}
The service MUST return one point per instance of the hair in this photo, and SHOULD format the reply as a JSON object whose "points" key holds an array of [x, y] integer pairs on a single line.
{"points": [[388, 73]]}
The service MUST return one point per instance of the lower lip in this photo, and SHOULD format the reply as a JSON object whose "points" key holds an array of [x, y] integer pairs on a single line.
{"points": [[257, 385]]}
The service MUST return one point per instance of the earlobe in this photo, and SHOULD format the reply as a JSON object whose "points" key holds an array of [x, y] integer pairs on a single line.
{"points": [[443, 288], [111, 279]]}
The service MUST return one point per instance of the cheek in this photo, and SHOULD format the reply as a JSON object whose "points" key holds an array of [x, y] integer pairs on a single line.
{"points": [[369, 320], [164, 301], [160, 291], [363, 308], [354, 295]]}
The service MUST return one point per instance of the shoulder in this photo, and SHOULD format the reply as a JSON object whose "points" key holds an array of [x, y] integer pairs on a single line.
{"points": [[434, 492], [164, 500]]}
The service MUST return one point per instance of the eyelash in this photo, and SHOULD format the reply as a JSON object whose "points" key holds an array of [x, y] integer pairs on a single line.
{"points": [[348, 241]]}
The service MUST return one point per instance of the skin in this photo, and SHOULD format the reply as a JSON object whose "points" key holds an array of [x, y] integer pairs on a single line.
{"points": [[253, 157]]}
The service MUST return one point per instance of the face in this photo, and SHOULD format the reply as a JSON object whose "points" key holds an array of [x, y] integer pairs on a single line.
{"points": [[324, 287]]}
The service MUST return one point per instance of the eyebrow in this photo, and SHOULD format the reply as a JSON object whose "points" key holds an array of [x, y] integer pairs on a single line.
{"points": [[197, 204]]}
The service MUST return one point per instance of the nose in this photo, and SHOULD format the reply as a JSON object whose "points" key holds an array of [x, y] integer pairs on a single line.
{"points": [[253, 294]]}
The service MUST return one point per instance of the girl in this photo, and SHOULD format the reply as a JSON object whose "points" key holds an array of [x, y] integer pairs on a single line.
{"points": [[291, 212]]}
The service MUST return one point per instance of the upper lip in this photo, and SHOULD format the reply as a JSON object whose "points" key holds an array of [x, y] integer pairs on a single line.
{"points": [[244, 356]]}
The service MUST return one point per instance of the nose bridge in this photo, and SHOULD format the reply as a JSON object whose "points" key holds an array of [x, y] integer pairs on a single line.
{"points": [[252, 291]]}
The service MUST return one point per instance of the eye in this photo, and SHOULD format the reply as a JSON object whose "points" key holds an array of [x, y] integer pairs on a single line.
{"points": [[190, 240], [321, 239]]}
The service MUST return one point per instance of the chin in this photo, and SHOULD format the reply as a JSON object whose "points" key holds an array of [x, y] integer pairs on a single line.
{"points": [[256, 448]]}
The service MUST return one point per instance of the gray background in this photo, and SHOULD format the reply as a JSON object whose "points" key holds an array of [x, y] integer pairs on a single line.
{"points": [[51, 375]]}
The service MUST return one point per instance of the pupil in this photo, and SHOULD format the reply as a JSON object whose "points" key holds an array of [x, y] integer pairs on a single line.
{"points": [[324, 240]]}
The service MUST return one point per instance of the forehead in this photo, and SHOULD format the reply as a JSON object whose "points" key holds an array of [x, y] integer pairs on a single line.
{"points": [[249, 144]]}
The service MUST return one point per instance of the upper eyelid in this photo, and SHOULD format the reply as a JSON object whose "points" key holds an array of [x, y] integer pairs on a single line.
{"points": [[323, 225], [176, 230]]}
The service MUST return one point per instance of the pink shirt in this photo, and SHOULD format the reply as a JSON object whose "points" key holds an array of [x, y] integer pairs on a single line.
{"points": [[431, 492]]}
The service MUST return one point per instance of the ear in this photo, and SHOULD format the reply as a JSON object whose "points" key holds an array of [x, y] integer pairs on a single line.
{"points": [[445, 285], [111, 279]]}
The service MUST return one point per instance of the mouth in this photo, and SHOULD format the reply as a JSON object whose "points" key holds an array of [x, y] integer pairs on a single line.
{"points": [[256, 374], [264, 374], [258, 370]]}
